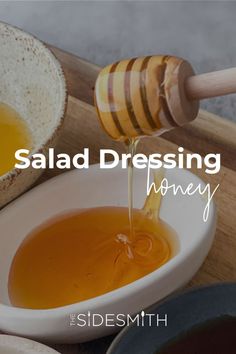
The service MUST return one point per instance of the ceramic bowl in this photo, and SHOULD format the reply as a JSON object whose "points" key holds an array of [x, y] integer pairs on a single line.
{"points": [[91, 188], [32, 82], [18, 345], [192, 309]]}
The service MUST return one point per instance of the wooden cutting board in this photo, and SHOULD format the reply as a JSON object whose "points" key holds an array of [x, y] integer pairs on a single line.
{"points": [[208, 133]]}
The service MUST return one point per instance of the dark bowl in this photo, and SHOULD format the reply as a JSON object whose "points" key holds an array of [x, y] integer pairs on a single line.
{"points": [[185, 311]]}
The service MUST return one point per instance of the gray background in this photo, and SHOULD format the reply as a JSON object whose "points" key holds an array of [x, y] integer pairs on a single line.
{"points": [[102, 32]]}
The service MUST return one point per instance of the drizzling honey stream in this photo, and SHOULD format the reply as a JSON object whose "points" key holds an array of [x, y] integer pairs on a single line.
{"points": [[131, 147]]}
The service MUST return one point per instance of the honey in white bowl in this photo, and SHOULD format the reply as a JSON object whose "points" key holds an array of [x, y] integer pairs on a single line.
{"points": [[90, 252], [87, 253], [14, 135]]}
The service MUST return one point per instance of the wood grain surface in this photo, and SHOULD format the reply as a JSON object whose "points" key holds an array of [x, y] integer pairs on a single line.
{"points": [[208, 133]]}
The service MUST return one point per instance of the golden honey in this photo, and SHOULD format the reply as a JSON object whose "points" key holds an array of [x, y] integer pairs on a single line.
{"points": [[144, 96], [14, 135], [84, 254]]}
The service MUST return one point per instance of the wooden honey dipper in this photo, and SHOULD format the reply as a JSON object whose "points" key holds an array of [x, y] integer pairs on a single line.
{"points": [[150, 95]]}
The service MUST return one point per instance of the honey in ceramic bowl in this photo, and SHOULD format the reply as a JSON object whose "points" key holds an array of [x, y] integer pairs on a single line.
{"points": [[33, 83], [85, 254], [14, 135]]}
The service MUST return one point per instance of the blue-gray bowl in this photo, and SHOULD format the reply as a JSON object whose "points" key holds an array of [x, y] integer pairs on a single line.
{"points": [[185, 311]]}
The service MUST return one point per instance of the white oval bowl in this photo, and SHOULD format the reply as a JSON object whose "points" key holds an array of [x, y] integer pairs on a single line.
{"points": [[91, 188], [32, 82], [18, 345]]}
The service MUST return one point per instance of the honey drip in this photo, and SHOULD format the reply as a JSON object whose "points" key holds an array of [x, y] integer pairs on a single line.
{"points": [[14, 135], [131, 147]]}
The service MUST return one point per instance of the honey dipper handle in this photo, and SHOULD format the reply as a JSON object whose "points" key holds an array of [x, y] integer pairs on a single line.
{"points": [[217, 83]]}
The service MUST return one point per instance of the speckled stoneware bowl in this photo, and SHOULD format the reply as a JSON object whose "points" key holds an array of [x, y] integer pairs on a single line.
{"points": [[32, 82]]}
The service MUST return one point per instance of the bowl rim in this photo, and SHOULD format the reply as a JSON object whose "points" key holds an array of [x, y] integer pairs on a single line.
{"points": [[22, 343], [189, 292], [111, 297], [63, 102]]}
